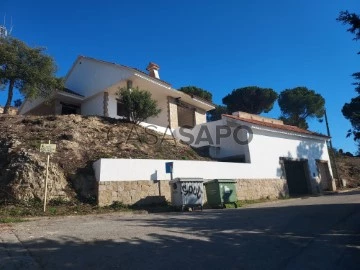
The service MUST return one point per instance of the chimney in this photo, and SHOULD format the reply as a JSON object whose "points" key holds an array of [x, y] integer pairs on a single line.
{"points": [[153, 70]]}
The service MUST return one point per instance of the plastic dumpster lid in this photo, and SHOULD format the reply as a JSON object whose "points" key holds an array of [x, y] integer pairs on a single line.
{"points": [[186, 179], [221, 181]]}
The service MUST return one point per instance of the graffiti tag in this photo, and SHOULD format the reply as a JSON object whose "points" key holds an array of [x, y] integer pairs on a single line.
{"points": [[192, 190]]}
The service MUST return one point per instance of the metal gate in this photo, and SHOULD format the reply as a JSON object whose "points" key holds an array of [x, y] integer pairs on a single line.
{"points": [[296, 177]]}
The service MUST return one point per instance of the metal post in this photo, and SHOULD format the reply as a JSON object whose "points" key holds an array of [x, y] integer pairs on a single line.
{"points": [[46, 179], [332, 151]]}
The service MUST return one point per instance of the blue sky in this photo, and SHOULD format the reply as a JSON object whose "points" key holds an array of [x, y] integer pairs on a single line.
{"points": [[215, 45]]}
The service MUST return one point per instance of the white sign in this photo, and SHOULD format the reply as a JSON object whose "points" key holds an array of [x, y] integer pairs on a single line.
{"points": [[48, 148]]}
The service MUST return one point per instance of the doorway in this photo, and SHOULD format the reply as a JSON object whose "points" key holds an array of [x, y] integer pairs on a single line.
{"points": [[324, 174], [297, 177]]}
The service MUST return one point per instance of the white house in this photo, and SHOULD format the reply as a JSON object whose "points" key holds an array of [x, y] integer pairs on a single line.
{"points": [[267, 158], [91, 86], [277, 150]]}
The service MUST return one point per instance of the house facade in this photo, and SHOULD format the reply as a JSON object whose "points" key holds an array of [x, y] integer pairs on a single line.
{"points": [[277, 150], [267, 158], [91, 88]]}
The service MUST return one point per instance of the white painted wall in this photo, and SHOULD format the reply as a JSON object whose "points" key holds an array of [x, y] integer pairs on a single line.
{"points": [[265, 148], [162, 119], [112, 106], [225, 146], [89, 76], [30, 104], [93, 105], [154, 169]]}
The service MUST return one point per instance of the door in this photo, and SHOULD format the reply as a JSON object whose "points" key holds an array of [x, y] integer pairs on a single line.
{"points": [[325, 176], [296, 177]]}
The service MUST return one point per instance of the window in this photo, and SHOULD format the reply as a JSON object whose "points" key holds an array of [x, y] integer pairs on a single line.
{"points": [[129, 84], [69, 109], [120, 109]]}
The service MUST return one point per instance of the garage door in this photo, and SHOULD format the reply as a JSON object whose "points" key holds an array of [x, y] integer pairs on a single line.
{"points": [[296, 178]]}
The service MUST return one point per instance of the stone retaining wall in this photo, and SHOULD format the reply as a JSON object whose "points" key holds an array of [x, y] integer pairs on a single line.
{"points": [[250, 189], [133, 192], [152, 192]]}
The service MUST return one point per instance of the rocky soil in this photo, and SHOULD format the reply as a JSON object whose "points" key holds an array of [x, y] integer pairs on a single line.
{"points": [[349, 169], [80, 141]]}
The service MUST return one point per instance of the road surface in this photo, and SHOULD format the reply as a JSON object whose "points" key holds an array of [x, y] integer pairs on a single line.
{"points": [[310, 233]]}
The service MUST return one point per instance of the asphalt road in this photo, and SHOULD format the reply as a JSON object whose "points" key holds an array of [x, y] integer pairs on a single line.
{"points": [[311, 233]]}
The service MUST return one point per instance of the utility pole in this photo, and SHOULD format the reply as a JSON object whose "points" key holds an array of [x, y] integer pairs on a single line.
{"points": [[332, 151]]}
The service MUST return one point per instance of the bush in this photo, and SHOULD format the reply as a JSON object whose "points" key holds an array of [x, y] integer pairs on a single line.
{"points": [[137, 104]]}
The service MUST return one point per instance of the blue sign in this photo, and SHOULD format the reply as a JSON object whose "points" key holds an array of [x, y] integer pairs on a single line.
{"points": [[169, 167]]}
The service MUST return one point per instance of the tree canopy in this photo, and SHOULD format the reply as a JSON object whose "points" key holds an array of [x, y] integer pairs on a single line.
{"points": [[18, 102], [216, 113], [27, 69], [138, 104], [196, 91], [351, 110], [299, 104], [353, 20], [251, 99]]}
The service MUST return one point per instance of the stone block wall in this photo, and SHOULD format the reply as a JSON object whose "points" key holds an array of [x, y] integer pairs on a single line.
{"points": [[133, 192], [150, 192], [172, 113], [253, 189]]}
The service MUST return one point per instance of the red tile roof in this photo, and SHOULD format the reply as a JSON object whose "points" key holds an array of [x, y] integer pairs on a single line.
{"points": [[276, 126]]}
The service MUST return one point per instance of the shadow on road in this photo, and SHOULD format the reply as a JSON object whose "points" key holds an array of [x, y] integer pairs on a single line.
{"points": [[294, 237]]}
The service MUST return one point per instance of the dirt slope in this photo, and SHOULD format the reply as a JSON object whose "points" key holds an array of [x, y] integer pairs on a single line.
{"points": [[80, 141], [349, 169]]}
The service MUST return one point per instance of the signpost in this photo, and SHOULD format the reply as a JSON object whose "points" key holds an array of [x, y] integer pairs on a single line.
{"points": [[49, 149], [169, 168]]}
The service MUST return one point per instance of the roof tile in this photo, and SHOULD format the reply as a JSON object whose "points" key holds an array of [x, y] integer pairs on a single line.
{"points": [[277, 126]]}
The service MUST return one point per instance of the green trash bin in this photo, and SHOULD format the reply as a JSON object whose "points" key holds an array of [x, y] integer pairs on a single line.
{"points": [[221, 191]]}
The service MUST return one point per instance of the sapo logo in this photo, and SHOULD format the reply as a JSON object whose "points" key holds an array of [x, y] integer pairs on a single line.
{"points": [[241, 134]]}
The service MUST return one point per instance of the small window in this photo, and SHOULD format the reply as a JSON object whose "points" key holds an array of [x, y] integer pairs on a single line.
{"points": [[120, 109], [129, 84]]}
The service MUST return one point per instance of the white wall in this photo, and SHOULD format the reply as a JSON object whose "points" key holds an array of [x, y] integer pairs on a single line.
{"points": [[154, 169], [30, 104], [93, 106], [162, 119], [89, 76], [112, 106], [266, 147], [226, 146]]}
